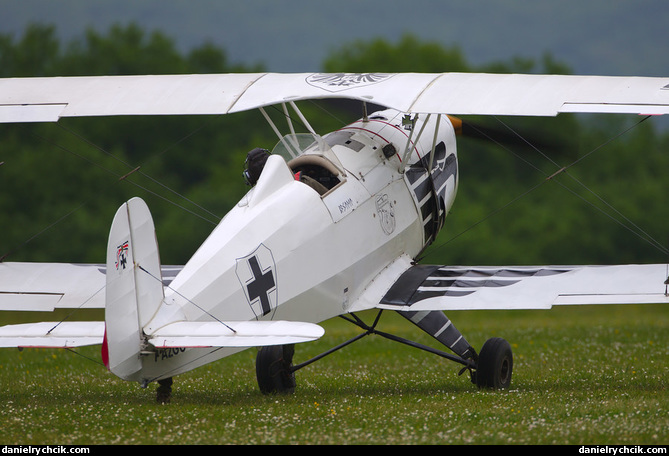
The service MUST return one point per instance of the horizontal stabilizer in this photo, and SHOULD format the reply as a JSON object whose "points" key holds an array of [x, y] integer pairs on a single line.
{"points": [[191, 334], [52, 334]]}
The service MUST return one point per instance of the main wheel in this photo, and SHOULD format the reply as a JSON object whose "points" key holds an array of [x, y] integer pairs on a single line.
{"points": [[273, 369], [495, 365]]}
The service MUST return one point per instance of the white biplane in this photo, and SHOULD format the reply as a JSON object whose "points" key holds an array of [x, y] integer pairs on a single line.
{"points": [[275, 267]]}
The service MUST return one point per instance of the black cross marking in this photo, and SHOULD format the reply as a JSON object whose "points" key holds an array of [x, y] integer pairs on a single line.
{"points": [[261, 285]]}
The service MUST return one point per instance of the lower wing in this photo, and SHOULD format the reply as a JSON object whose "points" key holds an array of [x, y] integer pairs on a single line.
{"points": [[48, 286], [431, 287]]}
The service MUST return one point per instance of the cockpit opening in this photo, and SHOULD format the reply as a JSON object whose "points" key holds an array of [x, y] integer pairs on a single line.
{"points": [[315, 171], [312, 161]]}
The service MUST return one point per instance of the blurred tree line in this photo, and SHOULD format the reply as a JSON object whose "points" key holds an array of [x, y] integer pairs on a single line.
{"points": [[60, 184]]}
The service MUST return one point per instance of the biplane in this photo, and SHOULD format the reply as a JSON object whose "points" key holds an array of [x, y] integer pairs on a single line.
{"points": [[333, 226]]}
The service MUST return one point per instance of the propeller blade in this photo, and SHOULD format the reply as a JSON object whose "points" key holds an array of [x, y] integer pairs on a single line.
{"points": [[502, 136]]}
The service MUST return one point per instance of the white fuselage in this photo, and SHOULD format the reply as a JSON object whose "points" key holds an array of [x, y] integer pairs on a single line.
{"points": [[286, 252]]}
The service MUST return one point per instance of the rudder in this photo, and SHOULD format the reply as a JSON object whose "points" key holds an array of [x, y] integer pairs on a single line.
{"points": [[134, 289]]}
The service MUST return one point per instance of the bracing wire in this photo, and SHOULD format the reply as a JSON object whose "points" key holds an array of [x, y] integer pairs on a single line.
{"points": [[631, 226], [138, 170], [213, 350], [213, 219], [120, 178], [623, 221], [187, 299]]}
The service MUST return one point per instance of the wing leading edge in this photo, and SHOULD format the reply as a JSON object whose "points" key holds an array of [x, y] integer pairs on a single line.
{"points": [[427, 287], [49, 99]]}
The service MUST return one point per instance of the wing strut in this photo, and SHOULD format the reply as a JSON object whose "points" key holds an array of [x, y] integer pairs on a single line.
{"points": [[411, 123], [282, 138], [289, 140], [303, 119], [434, 146], [468, 362]]}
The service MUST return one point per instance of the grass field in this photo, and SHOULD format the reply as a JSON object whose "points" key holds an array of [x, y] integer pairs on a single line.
{"points": [[589, 375]]}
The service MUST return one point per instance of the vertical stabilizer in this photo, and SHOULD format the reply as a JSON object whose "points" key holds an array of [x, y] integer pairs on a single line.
{"points": [[134, 287]]}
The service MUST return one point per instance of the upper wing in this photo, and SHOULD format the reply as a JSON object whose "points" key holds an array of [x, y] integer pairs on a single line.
{"points": [[424, 287], [49, 99]]}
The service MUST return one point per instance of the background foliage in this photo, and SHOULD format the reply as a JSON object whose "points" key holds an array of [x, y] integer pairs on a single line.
{"points": [[60, 184], [581, 375]]}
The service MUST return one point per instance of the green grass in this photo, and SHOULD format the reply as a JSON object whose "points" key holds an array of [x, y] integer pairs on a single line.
{"points": [[595, 375]]}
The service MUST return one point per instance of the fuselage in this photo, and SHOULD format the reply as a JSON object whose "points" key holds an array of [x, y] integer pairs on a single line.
{"points": [[292, 249]]}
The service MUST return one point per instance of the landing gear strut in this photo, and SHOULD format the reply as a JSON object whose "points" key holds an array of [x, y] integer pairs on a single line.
{"points": [[491, 369]]}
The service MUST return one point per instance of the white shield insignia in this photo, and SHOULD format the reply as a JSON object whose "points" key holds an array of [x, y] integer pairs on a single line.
{"points": [[257, 274]]}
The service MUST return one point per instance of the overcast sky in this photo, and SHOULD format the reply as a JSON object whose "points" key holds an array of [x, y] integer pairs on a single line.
{"points": [[592, 36]]}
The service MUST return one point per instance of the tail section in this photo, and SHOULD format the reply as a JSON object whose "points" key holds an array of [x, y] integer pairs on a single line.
{"points": [[134, 288], [134, 293]]}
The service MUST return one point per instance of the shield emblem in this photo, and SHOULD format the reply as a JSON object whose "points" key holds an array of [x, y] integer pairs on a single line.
{"points": [[122, 255], [257, 275], [386, 211]]}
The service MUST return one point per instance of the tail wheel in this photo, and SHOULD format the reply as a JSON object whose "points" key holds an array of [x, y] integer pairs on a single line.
{"points": [[273, 369], [495, 365]]}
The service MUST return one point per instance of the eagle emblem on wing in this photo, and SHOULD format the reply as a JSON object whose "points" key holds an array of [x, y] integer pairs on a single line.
{"points": [[336, 82]]}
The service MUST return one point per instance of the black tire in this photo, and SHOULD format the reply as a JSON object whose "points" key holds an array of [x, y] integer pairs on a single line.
{"points": [[273, 369], [495, 365]]}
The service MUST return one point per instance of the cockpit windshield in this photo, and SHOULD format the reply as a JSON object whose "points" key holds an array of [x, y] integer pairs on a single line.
{"points": [[293, 146]]}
